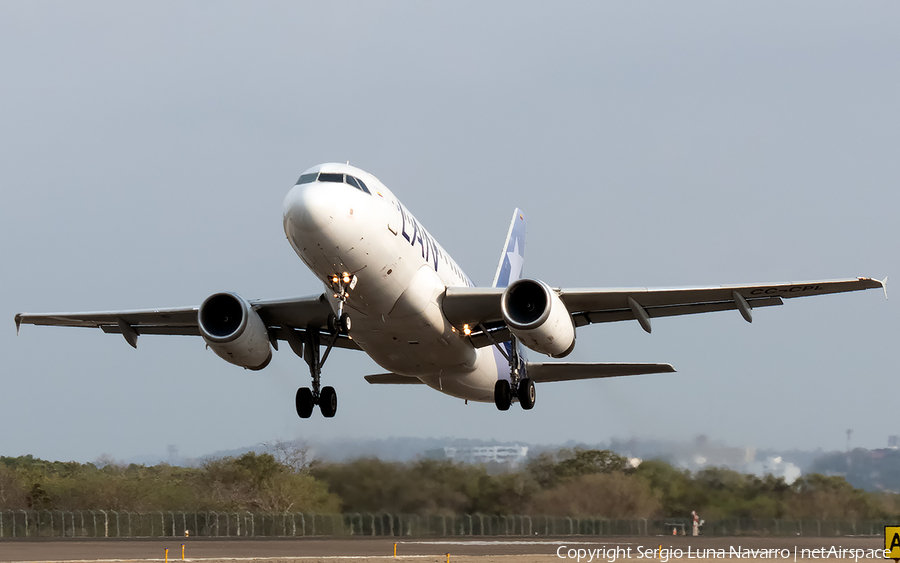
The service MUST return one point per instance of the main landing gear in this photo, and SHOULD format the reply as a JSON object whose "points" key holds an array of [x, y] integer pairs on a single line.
{"points": [[325, 397], [516, 388]]}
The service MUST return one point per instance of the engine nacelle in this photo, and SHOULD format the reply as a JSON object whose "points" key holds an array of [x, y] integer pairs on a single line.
{"points": [[234, 331], [538, 318]]}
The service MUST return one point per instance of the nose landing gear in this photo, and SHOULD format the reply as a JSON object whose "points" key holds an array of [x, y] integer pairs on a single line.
{"points": [[342, 285]]}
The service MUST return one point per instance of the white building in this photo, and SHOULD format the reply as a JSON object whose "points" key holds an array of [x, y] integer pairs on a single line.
{"points": [[510, 455]]}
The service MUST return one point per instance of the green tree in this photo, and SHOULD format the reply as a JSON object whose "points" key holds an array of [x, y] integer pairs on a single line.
{"points": [[259, 482], [822, 497], [606, 495], [548, 470], [588, 462], [12, 493]]}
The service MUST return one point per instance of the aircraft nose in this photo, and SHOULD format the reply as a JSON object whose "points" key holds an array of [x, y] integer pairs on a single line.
{"points": [[308, 208]]}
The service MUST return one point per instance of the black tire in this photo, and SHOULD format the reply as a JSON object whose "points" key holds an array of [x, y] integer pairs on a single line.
{"points": [[328, 402], [526, 394], [304, 402], [331, 323], [502, 395], [345, 323]]}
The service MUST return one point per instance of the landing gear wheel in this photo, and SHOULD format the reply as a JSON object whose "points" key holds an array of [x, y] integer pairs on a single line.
{"points": [[304, 402], [345, 324], [332, 323], [502, 395], [526, 394], [328, 402]]}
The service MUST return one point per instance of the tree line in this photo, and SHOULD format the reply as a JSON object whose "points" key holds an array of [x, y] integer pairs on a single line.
{"points": [[579, 482]]}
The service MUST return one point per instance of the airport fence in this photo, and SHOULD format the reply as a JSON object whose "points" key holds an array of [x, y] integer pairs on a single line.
{"points": [[122, 524]]}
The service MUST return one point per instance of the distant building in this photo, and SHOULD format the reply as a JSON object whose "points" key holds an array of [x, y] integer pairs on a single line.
{"points": [[872, 470], [893, 442], [507, 455]]}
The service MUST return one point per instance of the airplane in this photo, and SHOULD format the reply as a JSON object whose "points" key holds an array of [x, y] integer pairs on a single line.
{"points": [[392, 291]]}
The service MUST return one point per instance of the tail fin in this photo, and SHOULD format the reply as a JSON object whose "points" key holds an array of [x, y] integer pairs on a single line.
{"points": [[513, 257]]}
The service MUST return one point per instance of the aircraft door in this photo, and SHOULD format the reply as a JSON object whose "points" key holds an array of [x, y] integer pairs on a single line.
{"points": [[394, 218]]}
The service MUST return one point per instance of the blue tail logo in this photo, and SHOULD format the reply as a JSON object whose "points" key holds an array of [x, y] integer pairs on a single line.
{"points": [[513, 258]]}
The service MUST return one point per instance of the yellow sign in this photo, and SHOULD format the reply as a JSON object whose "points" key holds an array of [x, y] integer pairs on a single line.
{"points": [[892, 542]]}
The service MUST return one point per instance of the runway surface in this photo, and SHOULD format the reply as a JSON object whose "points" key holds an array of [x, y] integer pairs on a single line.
{"points": [[462, 550]]}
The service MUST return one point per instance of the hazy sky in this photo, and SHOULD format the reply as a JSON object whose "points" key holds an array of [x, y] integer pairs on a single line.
{"points": [[147, 147]]}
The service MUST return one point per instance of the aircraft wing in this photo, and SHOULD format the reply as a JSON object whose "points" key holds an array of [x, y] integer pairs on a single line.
{"points": [[283, 318], [479, 308], [568, 371]]}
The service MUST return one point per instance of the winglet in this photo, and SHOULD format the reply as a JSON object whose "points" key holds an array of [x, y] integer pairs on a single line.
{"points": [[884, 287], [18, 322]]}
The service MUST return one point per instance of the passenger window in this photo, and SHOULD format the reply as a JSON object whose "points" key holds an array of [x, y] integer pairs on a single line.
{"points": [[337, 178], [307, 178], [363, 187]]}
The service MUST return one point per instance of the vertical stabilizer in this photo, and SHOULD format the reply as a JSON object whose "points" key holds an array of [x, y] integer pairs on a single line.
{"points": [[513, 257]]}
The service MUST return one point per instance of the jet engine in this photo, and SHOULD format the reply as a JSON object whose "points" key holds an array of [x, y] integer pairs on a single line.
{"points": [[538, 318], [234, 331]]}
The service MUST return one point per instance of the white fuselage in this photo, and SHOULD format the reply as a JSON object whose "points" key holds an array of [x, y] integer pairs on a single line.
{"points": [[402, 273]]}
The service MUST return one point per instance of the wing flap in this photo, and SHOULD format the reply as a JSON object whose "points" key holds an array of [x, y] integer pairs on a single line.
{"points": [[155, 329], [570, 371], [283, 333], [605, 299], [675, 310]]}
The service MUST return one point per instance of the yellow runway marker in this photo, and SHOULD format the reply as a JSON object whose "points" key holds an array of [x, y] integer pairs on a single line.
{"points": [[892, 542]]}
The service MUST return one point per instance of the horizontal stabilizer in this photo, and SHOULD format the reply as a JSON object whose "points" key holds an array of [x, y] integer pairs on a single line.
{"points": [[565, 371], [392, 379]]}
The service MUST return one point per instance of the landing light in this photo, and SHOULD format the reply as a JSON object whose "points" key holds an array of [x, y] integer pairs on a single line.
{"points": [[346, 278], [466, 330], [334, 279]]}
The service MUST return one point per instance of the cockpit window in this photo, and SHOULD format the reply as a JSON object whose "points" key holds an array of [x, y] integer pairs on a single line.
{"points": [[307, 178], [363, 187], [335, 178], [357, 183], [326, 177]]}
